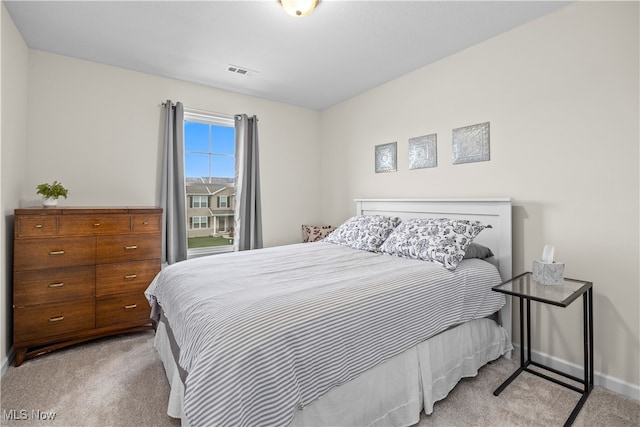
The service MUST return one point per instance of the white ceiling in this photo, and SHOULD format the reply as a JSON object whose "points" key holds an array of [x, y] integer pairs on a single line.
{"points": [[342, 49]]}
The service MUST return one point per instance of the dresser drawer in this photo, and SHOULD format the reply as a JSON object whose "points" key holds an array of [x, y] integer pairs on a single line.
{"points": [[36, 226], [131, 308], [125, 277], [44, 286], [47, 321], [93, 224], [36, 254], [146, 223], [131, 247]]}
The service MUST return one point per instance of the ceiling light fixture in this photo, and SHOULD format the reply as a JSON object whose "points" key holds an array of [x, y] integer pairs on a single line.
{"points": [[299, 8]]}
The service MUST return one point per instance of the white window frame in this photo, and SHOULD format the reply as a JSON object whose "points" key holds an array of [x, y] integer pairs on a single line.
{"points": [[226, 201], [200, 199], [199, 222], [200, 116]]}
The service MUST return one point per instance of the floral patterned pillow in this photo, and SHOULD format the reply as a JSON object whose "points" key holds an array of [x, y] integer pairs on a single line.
{"points": [[366, 232], [315, 233], [442, 241]]}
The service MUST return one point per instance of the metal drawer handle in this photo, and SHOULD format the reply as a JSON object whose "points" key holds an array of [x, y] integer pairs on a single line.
{"points": [[56, 319], [56, 285], [129, 307], [145, 222], [97, 224], [38, 226], [56, 253], [130, 276], [128, 248]]}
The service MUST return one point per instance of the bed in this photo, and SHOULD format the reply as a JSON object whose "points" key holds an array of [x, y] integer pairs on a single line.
{"points": [[341, 335]]}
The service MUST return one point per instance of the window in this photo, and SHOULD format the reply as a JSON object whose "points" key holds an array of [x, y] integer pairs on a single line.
{"points": [[199, 201], [199, 222], [209, 159]]}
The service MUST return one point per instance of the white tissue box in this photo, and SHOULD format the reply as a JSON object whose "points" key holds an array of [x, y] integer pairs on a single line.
{"points": [[548, 273]]}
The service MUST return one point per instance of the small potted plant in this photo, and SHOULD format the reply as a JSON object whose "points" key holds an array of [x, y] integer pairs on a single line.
{"points": [[51, 192]]}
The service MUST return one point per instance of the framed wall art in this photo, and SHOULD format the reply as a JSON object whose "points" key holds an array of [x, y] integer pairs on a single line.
{"points": [[471, 143], [422, 152], [386, 157]]}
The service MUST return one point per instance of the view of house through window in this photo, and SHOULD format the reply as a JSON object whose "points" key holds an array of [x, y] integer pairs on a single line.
{"points": [[209, 155]]}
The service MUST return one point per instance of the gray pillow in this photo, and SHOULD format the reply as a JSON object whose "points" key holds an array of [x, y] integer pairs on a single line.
{"points": [[476, 250]]}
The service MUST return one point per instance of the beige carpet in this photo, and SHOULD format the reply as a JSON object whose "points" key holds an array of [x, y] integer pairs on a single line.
{"points": [[119, 381]]}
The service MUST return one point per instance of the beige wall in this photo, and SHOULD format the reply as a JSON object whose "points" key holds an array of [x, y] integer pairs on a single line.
{"points": [[96, 129], [561, 94], [13, 122]]}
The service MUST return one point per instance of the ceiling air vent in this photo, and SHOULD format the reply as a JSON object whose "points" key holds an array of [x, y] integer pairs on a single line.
{"points": [[241, 70]]}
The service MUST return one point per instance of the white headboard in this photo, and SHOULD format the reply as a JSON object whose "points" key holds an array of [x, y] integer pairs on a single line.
{"points": [[495, 212]]}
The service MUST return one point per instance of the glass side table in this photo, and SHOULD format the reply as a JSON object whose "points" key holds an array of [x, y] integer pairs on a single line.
{"points": [[526, 289]]}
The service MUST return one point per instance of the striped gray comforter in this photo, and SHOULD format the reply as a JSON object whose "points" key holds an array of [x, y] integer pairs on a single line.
{"points": [[264, 332]]}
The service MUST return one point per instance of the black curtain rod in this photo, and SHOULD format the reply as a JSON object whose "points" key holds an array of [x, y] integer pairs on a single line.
{"points": [[203, 111]]}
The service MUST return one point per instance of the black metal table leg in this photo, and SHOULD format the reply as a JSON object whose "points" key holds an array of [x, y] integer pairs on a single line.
{"points": [[587, 324], [528, 330], [523, 363], [590, 294]]}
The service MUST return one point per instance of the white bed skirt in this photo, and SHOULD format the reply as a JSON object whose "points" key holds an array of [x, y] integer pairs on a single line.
{"points": [[392, 393]]}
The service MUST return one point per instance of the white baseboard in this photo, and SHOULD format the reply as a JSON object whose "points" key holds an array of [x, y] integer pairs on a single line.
{"points": [[7, 361], [606, 381]]}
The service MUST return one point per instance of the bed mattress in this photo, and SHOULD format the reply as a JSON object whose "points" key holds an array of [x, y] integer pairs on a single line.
{"points": [[265, 333]]}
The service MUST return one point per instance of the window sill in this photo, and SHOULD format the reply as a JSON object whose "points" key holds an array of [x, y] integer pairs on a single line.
{"points": [[212, 250]]}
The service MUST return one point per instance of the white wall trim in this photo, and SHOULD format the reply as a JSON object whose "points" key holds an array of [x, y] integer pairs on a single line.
{"points": [[7, 361], [609, 382]]}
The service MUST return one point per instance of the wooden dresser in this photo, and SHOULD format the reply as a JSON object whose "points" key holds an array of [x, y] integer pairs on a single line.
{"points": [[80, 274]]}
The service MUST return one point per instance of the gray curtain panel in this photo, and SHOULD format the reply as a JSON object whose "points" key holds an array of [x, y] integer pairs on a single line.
{"points": [[248, 216], [172, 190]]}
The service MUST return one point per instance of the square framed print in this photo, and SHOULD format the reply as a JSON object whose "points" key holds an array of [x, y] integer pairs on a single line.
{"points": [[386, 157], [471, 143], [422, 152]]}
